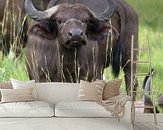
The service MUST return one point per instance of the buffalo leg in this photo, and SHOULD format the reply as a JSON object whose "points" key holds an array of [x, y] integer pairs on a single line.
{"points": [[127, 65], [127, 71]]}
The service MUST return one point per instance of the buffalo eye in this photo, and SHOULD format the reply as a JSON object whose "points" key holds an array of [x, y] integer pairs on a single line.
{"points": [[59, 21], [84, 21]]}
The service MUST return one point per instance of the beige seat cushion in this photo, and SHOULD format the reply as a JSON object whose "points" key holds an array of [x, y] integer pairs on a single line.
{"points": [[16, 95], [91, 91], [80, 109], [26, 109], [111, 89]]}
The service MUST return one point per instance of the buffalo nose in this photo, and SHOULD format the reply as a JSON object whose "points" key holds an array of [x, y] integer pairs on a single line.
{"points": [[75, 32]]}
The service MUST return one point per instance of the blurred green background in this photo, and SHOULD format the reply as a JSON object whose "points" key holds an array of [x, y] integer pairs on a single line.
{"points": [[151, 25]]}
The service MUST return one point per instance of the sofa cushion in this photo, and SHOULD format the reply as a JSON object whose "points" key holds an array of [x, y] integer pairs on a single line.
{"points": [[26, 109], [111, 89], [55, 92], [16, 95], [91, 91], [80, 109]]}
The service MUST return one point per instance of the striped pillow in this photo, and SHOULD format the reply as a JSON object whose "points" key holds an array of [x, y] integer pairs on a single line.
{"points": [[5, 85], [91, 91], [17, 84], [16, 95]]}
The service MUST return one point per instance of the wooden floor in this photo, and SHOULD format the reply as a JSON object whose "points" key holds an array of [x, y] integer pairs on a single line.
{"points": [[146, 122], [148, 126]]}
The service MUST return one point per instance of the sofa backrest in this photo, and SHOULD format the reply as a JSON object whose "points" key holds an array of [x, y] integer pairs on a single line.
{"points": [[56, 91]]}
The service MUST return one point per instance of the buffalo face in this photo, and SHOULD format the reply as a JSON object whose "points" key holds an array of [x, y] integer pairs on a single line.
{"points": [[72, 22], [72, 25]]}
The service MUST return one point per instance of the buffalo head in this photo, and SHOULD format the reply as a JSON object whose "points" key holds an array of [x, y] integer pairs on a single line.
{"points": [[71, 22]]}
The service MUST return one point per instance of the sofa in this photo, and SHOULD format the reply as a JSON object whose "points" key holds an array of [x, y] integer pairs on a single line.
{"points": [[56, 107]]}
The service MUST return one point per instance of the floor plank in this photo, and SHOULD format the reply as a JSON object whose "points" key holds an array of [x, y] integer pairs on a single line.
{"points": [[151, 126], [136, 128], [160, 124], [141, 126], [148, 126], [157, 126]]}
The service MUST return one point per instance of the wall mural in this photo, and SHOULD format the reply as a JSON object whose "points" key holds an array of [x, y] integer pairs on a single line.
{"points": [[69, 43]]}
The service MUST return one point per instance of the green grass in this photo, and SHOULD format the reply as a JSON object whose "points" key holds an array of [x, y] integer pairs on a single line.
{"points": [[151, 24], [150, 19], [12, 68]]}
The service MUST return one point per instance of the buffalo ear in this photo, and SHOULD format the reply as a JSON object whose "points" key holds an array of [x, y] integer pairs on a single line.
{"points": [[49, 26], [92, 26], [99, 30], [109, 29]]}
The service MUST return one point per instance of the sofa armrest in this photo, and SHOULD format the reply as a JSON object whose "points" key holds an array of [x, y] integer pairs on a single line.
{"points": [[128, 114]]}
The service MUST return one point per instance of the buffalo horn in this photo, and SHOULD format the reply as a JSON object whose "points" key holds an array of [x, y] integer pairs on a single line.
{"points": [[42, 15], [38, 15], [107, 13]]}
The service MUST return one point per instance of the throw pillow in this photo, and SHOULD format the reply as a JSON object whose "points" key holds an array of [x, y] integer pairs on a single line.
{"points": [[91, 91], [23, 85], [5, 85], [16, 95], [111, 89]]}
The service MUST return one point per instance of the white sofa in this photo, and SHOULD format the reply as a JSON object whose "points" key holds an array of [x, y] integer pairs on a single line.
{"points": [[61, 111]]}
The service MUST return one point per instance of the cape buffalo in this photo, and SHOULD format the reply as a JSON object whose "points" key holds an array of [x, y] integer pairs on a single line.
{"points": [[62, 45], [74, 40], [14, 23]]}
